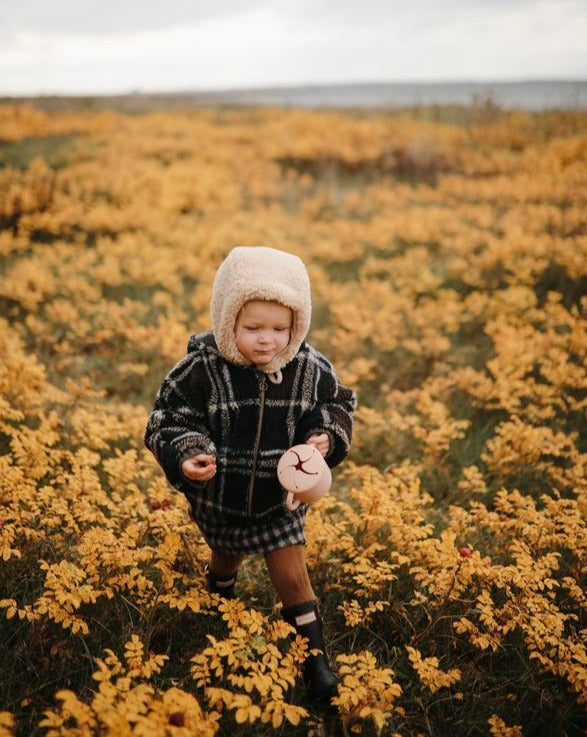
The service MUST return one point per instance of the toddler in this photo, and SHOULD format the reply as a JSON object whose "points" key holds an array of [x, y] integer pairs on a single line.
{"points": [[246, 392]]}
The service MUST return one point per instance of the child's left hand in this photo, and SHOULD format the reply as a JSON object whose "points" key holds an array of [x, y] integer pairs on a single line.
{"points": [[320, 441]]}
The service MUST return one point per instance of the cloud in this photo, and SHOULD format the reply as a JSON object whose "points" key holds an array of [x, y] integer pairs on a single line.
{"points": [[107, 47], [99, 17]]}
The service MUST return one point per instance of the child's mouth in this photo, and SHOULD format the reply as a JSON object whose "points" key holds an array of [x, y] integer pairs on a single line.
{"points": [[264, 353]]}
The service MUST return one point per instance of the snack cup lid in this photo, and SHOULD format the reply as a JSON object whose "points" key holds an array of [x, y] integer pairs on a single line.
{"points": [[302, 468]]}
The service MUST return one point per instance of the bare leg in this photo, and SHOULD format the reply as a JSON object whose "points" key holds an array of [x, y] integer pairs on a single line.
{"points": [[224, 564], [289, 575]]}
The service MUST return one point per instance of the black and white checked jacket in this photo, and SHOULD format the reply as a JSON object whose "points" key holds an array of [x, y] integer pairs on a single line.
{"points": [[208, 405]]}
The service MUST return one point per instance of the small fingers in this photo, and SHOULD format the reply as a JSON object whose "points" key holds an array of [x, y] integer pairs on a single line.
{"points": [[200, 467], [321, 442]]}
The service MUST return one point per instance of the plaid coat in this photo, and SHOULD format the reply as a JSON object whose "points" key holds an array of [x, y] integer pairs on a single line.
{"points": [[207, 404]]}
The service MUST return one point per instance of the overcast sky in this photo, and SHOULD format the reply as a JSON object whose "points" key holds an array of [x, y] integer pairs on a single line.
{"points": [[107, 46]]}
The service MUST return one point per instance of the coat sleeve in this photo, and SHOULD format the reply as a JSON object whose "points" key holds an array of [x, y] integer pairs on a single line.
{"points": [[177, 427], [332, 413]]}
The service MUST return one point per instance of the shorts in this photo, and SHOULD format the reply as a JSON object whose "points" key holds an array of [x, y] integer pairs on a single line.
{"points": [[240, 536]]}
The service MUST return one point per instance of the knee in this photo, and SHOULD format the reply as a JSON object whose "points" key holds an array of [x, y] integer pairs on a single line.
{"points": [[290, 578], [224, 564]]}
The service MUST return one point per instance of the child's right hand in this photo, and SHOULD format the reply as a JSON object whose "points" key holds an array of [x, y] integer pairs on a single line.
{"points": [[200, 467]]}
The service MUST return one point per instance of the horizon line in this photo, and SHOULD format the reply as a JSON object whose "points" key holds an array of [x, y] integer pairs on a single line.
{"points": [[138, 91]]}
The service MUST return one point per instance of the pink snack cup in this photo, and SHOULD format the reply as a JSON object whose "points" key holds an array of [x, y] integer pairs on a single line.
{"points": [[304, 474]]}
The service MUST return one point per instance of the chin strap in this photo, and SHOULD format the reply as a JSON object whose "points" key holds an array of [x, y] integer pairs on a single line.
{"points": [[276, 377]]}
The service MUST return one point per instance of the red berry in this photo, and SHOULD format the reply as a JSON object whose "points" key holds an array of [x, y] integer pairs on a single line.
{"points": [[177, 719], [166, 503], [466, 553], [155, 505]]}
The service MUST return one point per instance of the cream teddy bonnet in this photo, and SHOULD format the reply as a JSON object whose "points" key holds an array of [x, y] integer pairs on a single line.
{"points": [[260, 273]]}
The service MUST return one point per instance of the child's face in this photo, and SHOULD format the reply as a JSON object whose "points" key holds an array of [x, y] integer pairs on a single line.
{"points": [[262, 330]]}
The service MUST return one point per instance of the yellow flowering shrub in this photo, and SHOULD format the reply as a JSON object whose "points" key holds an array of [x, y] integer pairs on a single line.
{"points": [[430, 675], [256, 674], [498, 728], [6, 724], [447, 252], [125, 704], [366, 692]]}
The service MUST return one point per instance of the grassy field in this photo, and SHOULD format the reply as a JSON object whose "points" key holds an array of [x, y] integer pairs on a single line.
{"points": [[448, 256]]}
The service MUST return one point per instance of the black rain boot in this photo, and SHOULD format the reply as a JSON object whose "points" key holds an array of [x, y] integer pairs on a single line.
{"points": [[321, 683], [223, 585]]}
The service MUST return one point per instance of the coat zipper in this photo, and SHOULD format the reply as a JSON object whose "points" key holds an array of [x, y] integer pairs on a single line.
{"points": [[262, 388]]}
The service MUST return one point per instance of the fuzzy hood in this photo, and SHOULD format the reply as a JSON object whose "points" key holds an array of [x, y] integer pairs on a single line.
{"points": [[258, 273]]}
